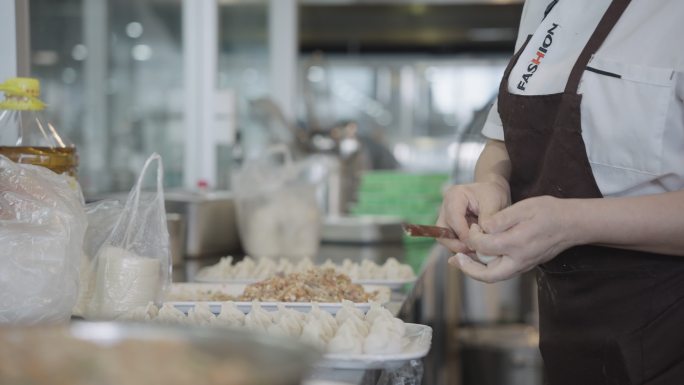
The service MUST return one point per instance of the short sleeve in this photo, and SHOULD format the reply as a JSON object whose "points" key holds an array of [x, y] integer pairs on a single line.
{"points": [[493, 128]]}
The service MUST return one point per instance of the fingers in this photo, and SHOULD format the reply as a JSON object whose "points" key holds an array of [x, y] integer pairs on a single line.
{"points": [[454, 245], [453, 214], [498, 270], [488, 244], [503, 220]]}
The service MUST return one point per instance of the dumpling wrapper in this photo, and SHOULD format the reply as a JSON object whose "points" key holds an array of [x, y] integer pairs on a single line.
{"points": [[230, 315], [201, 314], [346, 341], [348, 310], [258, 318], [376, 310], [141, 313], [168, 314], [328, 323], [312, 333]]}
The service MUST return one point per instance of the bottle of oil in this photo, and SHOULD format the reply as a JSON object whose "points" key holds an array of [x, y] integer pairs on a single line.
{"points": [[25, 136]]}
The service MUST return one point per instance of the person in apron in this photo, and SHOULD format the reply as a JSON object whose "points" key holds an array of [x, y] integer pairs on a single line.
{"points": [[610, 271]]}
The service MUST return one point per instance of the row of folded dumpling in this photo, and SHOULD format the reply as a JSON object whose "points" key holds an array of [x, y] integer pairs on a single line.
{"points": [[264, 268], [350, 331]]}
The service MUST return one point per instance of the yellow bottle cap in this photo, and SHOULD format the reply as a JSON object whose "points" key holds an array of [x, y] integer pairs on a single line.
{"points": [[28, 91]]}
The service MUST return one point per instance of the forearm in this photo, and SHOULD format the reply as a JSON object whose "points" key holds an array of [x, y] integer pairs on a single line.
{"points": [[653, 223], [494, 165]]}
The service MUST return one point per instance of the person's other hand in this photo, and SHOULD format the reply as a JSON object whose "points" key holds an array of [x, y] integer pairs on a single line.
{"points": [[482, 199], [524, 235]]}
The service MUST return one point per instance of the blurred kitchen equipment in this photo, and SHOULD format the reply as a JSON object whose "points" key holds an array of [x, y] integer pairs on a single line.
{"points": [[505, 354], [362, 229], [139, 354], [278, 214], [176, 226], [210, 222]]}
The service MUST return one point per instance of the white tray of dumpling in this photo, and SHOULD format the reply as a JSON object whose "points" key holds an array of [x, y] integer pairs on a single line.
{"points": [[185, 296], [392, 273], [351, 339]]}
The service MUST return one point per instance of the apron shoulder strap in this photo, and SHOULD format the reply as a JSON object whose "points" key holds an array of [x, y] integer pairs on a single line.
{"points": [[608, 21]]}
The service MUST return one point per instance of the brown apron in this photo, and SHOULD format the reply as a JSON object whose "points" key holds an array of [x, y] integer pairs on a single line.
{"points": [[607, 316]]}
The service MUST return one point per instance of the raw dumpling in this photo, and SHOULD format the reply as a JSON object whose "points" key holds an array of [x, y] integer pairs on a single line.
{"points": [[328, 264], [304, 265], [387, 322], [168, 314], [392, 269], [290, 324], [376, 310], [285, 266], [141, 313], [258, 318], [360, 326], [346, 341], [328, 323], [201, 314], [368, 270], [348, 310], [230, 315], [244, 268], [383, 341], [265, 268], [312, 333]]}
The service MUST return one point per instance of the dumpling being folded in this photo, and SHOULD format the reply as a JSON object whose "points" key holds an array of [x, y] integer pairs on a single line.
{"points": [[346, 341]]}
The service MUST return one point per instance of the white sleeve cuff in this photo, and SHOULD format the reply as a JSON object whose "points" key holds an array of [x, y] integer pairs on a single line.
{"points": [[493, 128]]}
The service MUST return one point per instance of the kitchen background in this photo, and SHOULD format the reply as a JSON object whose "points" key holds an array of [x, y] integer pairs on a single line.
{"points": [[411, 75], [207, 84]]}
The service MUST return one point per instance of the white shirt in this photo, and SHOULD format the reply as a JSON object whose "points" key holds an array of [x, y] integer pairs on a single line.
{"points": [[632, 92]]}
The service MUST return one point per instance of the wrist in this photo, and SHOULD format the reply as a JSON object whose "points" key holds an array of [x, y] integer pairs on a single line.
{"points": [[577, 217]]}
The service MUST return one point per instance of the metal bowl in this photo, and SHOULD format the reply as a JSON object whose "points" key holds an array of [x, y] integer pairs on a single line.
{"points": [[140, 354]]}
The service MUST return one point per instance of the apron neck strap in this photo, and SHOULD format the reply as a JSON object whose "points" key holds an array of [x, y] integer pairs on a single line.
{"points": [[608, 21]]}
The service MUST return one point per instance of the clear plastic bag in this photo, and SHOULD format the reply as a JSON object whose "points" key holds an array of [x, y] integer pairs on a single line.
{"points": [[42, 224], [278, 214], [133, 265], [102, 217]]}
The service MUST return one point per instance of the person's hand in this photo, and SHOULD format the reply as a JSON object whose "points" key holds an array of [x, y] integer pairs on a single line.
{"points": [[481, 199], [524, 235]]}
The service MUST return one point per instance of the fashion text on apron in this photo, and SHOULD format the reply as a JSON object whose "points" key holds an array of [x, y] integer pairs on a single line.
{"points": [[607, 316]]}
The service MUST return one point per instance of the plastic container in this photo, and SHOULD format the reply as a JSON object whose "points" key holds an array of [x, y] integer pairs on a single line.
{"points": [[26, 136]]}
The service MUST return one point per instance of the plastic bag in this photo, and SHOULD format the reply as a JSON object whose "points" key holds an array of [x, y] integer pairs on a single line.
{"points": [[278, 215], [102, 217], [133, 265], [42, 223]]}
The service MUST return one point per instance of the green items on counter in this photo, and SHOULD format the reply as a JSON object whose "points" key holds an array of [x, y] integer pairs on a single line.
{"points": [[415, 197]]}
